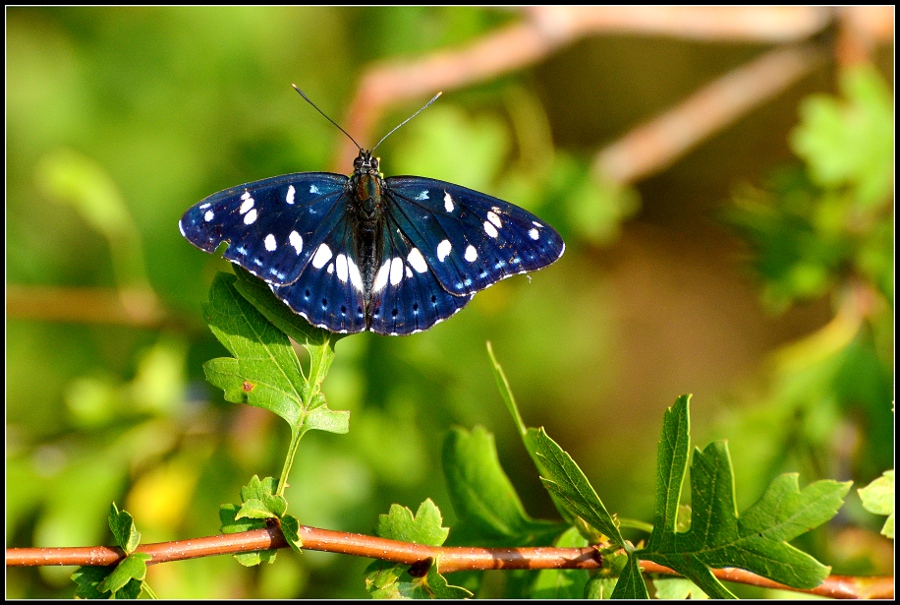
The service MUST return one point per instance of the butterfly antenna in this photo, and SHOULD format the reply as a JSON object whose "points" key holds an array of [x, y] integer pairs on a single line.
{"points": [[335, 123], [424, 107]]}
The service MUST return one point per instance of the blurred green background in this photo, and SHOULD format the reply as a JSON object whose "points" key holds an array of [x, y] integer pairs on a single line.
{"points": [[755, 273]]}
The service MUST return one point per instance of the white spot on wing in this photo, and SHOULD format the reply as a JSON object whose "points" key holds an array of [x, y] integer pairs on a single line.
{"points": [[210, 215], [296, 241], [490, 229], [448, 202], [270, 243], [471, 254], [417, 261], [314, 190], [355, 277], [396, 270], [205, 206], [330, 269], [290, 195], [342, 270], [323, 255], [248, 203], [381, 278], [534, 234], [491, 216], [251, 217], [444, 249], [422, 196]]}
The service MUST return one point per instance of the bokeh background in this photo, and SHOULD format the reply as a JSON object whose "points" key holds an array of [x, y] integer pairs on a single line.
{"points": [[726, 237]]}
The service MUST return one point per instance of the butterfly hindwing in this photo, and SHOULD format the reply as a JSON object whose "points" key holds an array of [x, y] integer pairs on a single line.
{"points": [[329, 290], [469, 240], [406, 294], [273, 227]]}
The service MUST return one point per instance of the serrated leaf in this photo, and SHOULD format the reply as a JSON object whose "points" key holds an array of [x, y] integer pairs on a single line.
{"points": [[252, 559], [87, 578], [878, 498], [290, 529], [256, 509], [132, 567], [485, 501], [562, 583], [670, 588], [566, 480], [124, 531], [631, 583], [756, 541], [230, 524], [266, 373], [387, 581], [423, 528]]}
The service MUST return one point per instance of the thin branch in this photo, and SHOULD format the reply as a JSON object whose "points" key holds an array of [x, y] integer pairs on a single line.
{"points": [[658, 143], [451, 559], [138, 307], [548, 28]]}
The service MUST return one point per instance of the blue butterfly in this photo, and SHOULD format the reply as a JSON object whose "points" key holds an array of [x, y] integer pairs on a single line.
{"points": [[392, 255]]}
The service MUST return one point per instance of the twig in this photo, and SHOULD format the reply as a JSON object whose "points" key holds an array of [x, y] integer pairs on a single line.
{"points": [[450, 558], [657, 144], [549, 28]]}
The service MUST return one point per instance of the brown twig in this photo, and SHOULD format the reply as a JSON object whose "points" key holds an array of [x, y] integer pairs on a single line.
{"points": [[658, 143], [450, 559], [549, 28]]}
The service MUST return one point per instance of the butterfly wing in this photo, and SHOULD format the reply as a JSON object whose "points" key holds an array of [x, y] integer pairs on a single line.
{"points": [[406, 295], [273, 227], [292, 232], [328, 292], [469, 240]]}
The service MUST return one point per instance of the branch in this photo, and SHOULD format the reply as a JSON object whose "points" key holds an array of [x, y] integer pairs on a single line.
{"points": [[452, 558], [658, 143]]}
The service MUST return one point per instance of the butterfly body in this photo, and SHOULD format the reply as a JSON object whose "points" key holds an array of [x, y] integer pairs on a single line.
{"points": [[392, 255]]}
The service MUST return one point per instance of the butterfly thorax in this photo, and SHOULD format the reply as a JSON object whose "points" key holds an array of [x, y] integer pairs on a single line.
{"points": [[367, 212]]}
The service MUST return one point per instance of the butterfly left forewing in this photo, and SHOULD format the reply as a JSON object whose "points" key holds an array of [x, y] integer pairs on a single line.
{"points": [[271, 226]]}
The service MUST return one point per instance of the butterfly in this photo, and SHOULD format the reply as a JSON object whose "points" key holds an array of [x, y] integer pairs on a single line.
{"points": [[363, 252]]}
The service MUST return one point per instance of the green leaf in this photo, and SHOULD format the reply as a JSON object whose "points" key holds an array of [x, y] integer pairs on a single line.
{"points": [[562, 583], [756, 541], [671, 464], [878, 498], [258, 503], [87, 579], [259, 496], [849, 141], [230, 524], [389, 581], [132, 567], [567, 482], [386, 581], [290, 528], [484, 499], [671, 588], [124, 531], [631, 583], [423, 528], [265, 372]]}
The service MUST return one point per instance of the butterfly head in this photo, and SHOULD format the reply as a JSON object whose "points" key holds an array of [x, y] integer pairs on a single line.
{"points": [[365, 164]]}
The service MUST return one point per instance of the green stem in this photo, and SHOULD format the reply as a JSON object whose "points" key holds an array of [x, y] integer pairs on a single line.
{"points": [[296, 435]]}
